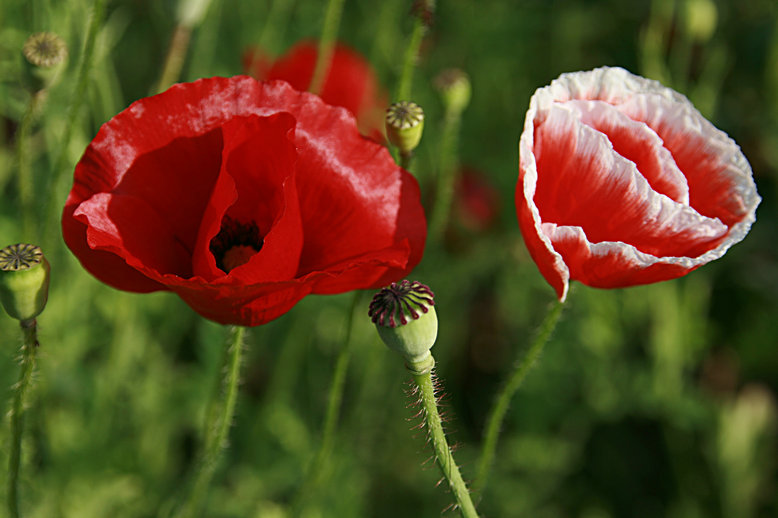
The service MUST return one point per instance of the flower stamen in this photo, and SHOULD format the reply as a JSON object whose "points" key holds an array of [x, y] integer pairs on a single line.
{"points": [[235, 244]]}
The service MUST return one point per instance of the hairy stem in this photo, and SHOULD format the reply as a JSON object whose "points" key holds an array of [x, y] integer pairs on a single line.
{"points": [[79, 94], [447, 164], [29, 349], [501, 402], [443, 454], [335, 398], [219, 417], [424, 10], [25, 180]]}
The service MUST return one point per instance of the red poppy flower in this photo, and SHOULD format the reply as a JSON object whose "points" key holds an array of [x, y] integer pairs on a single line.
{"points": [[476, 201], [623, 182], [241, 197], [350, 81]]}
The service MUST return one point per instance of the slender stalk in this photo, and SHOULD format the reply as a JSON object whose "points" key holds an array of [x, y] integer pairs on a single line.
{"points": [[326, 44], [176, 54], [82, 81], [447, 162], [443, 454], [334, 400], [405, 160], [29, 350], [219, 417], [25, 181], [424, 8], [501, 402]]}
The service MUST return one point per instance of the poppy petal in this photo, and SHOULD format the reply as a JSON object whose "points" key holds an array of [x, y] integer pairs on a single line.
{"points": [[326, 209], [599, 198]]}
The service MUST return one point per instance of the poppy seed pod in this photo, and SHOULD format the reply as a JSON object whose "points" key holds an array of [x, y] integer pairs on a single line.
{"points": [[404, 125], [404, 315], [44, 57], [24, 281]]}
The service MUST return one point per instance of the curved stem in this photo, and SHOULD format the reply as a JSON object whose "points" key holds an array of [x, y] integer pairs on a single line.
{"points": [[425, 8], [447, 163], [82, 81], [501, 402], [405, 160], [334, 400], [219, 417], [443, 454], [25, 181], [326, 44], [174, 61], [29, 349]]}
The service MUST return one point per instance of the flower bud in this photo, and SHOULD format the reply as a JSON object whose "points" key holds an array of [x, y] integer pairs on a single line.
{"points": [[24, 281], [404, 315], [701, 18], [404, 125], [44, 54], [454, 87]]}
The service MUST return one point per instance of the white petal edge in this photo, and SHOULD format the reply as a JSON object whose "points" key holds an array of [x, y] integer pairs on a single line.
{"points": [[617, 85]]}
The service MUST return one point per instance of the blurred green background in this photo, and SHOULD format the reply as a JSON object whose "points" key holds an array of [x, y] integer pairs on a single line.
{"points": [[656, 401]]}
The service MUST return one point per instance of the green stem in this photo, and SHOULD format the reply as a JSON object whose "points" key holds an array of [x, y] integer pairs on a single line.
{"points": [[411, 57], [447, 162], [497, 414], [29, 349], [219, 417], [25, 181], [82, 81], [326, 44], [443, 454], [405, 160], [334, 401], [174, 61]]}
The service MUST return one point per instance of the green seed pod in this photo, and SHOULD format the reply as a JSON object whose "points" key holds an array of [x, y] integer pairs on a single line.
{"points": [[24, 281], [404, 125], [44, 54], [404, 315]]}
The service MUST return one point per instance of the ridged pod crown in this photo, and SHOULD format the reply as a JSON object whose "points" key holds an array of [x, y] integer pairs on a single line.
{"points": [[404, 125]]}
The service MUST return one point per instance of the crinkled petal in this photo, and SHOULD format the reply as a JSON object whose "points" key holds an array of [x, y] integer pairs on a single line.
{"points": [[583, 182], [600, 210], [256, 184], [154, 185]]}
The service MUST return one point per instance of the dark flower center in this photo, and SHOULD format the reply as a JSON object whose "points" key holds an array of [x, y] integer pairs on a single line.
{"points": [[235, 243], [390, 305]]}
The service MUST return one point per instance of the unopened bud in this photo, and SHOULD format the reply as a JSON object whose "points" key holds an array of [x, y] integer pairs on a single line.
{"points": [[24, 281], [404, 125], [404, 315], [454, 87]]}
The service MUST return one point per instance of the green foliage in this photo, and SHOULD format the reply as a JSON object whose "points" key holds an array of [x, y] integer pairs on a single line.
{"points": [[653, 401]]}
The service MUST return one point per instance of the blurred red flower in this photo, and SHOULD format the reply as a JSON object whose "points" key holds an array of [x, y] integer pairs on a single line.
{"points": [[350, 81], [623, 182], [476, 201], [241, 197]]}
